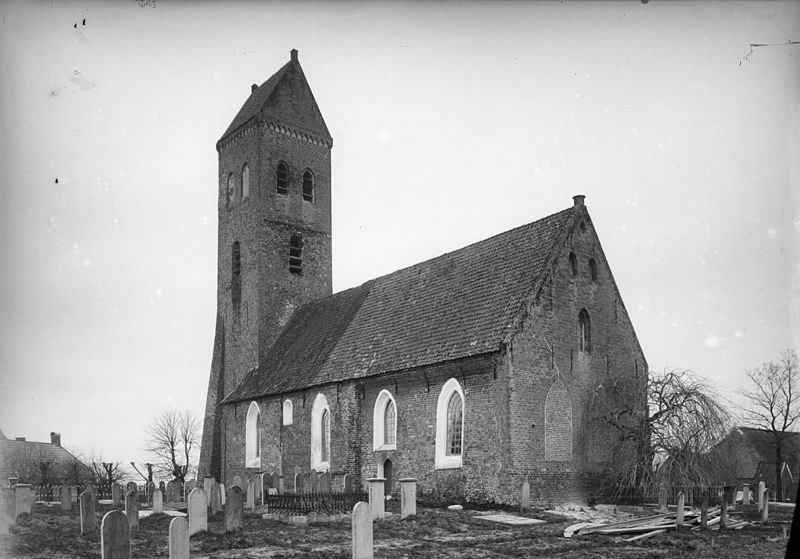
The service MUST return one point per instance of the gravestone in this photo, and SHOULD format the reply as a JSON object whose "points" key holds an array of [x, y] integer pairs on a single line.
{"points": [[23, 499], [158, 502], [723, 513], [173, 491], [525, 498], [163, 487], [377, 493], [408, 497], [88, 520], [208, 481], [258, 489], [131, 486], [179, 538], [216, 499], [150, 488], [5, 518], [197, 511], [115, 536], [348, 483], [251, 495], [132, 509], [237, 480], [222, 493], [662, 499], [299, 484], [704, 510], [66, 498], [361, 522], [325, 482], [679, 510], [277, 482], [314, 481], [746, 494], [233, 509], [266, 485], [116, 494], [188, 486], [765, 508], [761, 492]]}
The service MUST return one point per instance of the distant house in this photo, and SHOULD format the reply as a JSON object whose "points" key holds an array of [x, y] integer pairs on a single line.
{"points": [[752, 451], [40, 463]]}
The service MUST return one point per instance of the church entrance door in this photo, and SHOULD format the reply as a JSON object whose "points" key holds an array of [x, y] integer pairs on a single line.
{"points": [[387, 474]]}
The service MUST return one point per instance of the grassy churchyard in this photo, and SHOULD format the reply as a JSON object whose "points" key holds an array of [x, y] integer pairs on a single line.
{"points": [[48, 531]]}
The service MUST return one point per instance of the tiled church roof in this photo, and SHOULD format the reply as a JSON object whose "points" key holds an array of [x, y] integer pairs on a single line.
{"points": [[457, 305], [286, 97]]}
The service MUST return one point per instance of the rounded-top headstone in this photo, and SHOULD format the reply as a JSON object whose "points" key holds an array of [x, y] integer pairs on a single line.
{"points": [[115, 536]]}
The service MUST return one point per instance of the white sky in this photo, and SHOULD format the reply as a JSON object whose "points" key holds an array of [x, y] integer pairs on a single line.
{"points": [[451, 122]]}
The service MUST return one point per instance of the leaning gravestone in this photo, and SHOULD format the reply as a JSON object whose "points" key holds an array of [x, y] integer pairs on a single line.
{"points": [[23, 499], [179, 538], [132, 509], [325, 482], [115, 536], [158, 502], [116, 494], [233, 509], [237, 480], [66, 498], [216, 499], [251, 495], [362, 531], [197, 511], [88, 521]]}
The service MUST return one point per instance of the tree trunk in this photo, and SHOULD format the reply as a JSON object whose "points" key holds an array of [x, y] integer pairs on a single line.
{"points": [[778, 472]]}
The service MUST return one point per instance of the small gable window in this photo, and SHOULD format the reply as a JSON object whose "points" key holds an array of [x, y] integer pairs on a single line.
{"points": [[252, 441], [282, 178], [245, 182], [308, 186], [593, 269], [288, 411], [384, 422], [585, 331], [296, 255], [573, 264], [450, 426]]}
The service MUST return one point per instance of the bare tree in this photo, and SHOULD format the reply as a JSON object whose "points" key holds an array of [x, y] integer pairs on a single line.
{"points": [[106, 473], [773, 403], [173, 439], [667, 425]]}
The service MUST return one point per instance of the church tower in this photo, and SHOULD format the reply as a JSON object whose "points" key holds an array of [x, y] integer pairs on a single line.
{"points": [[274, 239]]}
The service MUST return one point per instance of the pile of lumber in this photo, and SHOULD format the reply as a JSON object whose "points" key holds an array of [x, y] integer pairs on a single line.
{"points": [[648, 526]]}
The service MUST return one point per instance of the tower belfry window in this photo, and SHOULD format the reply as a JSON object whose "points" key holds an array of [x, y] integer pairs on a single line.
{"points": [[296, 255], [236, 273], [584, 331], [308, 186], [282, 178], [245, 182]]}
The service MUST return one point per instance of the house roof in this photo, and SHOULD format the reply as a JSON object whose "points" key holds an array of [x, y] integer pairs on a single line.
{"points": [[762, 442], [286, 98], [458, 305], [20, 458]]}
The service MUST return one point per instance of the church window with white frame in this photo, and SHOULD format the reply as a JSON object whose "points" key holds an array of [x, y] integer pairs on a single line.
{"points": [[288, 411], [384, 422], [252, 441], [450, 426], [320, 434]]}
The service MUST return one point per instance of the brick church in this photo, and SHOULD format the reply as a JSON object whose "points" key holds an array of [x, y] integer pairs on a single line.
{"points": [[471, 371]]}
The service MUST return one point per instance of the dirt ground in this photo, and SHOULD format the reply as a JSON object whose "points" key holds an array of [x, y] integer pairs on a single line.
{"points": [[435, 533]]}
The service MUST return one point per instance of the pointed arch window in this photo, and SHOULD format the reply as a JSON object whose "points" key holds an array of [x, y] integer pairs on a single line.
{"points": [[282, 178], [573, 264], [245, 182], [384, 422], [308, 186], [320, 434], [584, 331], [253, 437], [325, 434], [450, 426], [288, 411], [236, 272], [229, 190], [593, 269]]}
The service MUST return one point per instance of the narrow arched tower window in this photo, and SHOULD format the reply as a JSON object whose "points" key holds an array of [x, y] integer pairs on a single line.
{"points": [[296, 255], [245, 182], [593, 269], [236, 272], [585, 331], [573, 264], [282, 178], [229, 190], [389, 423], [308, 186]]}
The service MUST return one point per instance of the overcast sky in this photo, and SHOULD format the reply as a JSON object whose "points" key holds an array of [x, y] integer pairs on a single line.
{"points": [[451, 122]]}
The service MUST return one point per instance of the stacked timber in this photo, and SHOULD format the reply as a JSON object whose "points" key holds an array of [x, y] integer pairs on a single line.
{"points": [[649, 526]]}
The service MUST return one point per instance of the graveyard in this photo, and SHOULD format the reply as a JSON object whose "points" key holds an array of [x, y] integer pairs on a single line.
{"points": [[88, 527]]}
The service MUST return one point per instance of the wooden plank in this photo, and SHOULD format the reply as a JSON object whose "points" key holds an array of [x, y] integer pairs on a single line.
{"points": [[646, 535]]}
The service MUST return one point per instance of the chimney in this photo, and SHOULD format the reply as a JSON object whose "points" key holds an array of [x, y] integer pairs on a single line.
{"points": [[578, 199], [293, 54], [253, 88], [20, 439], [55, 438]]}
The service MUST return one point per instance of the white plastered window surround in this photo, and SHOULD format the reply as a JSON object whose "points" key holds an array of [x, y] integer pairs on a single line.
{"points": [[252, 440], [288, 411], [443, 460], [320, 406], [379, 433]]}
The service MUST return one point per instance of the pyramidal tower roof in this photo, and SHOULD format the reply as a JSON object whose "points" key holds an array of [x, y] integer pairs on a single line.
{"points": [[284, 98]]}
